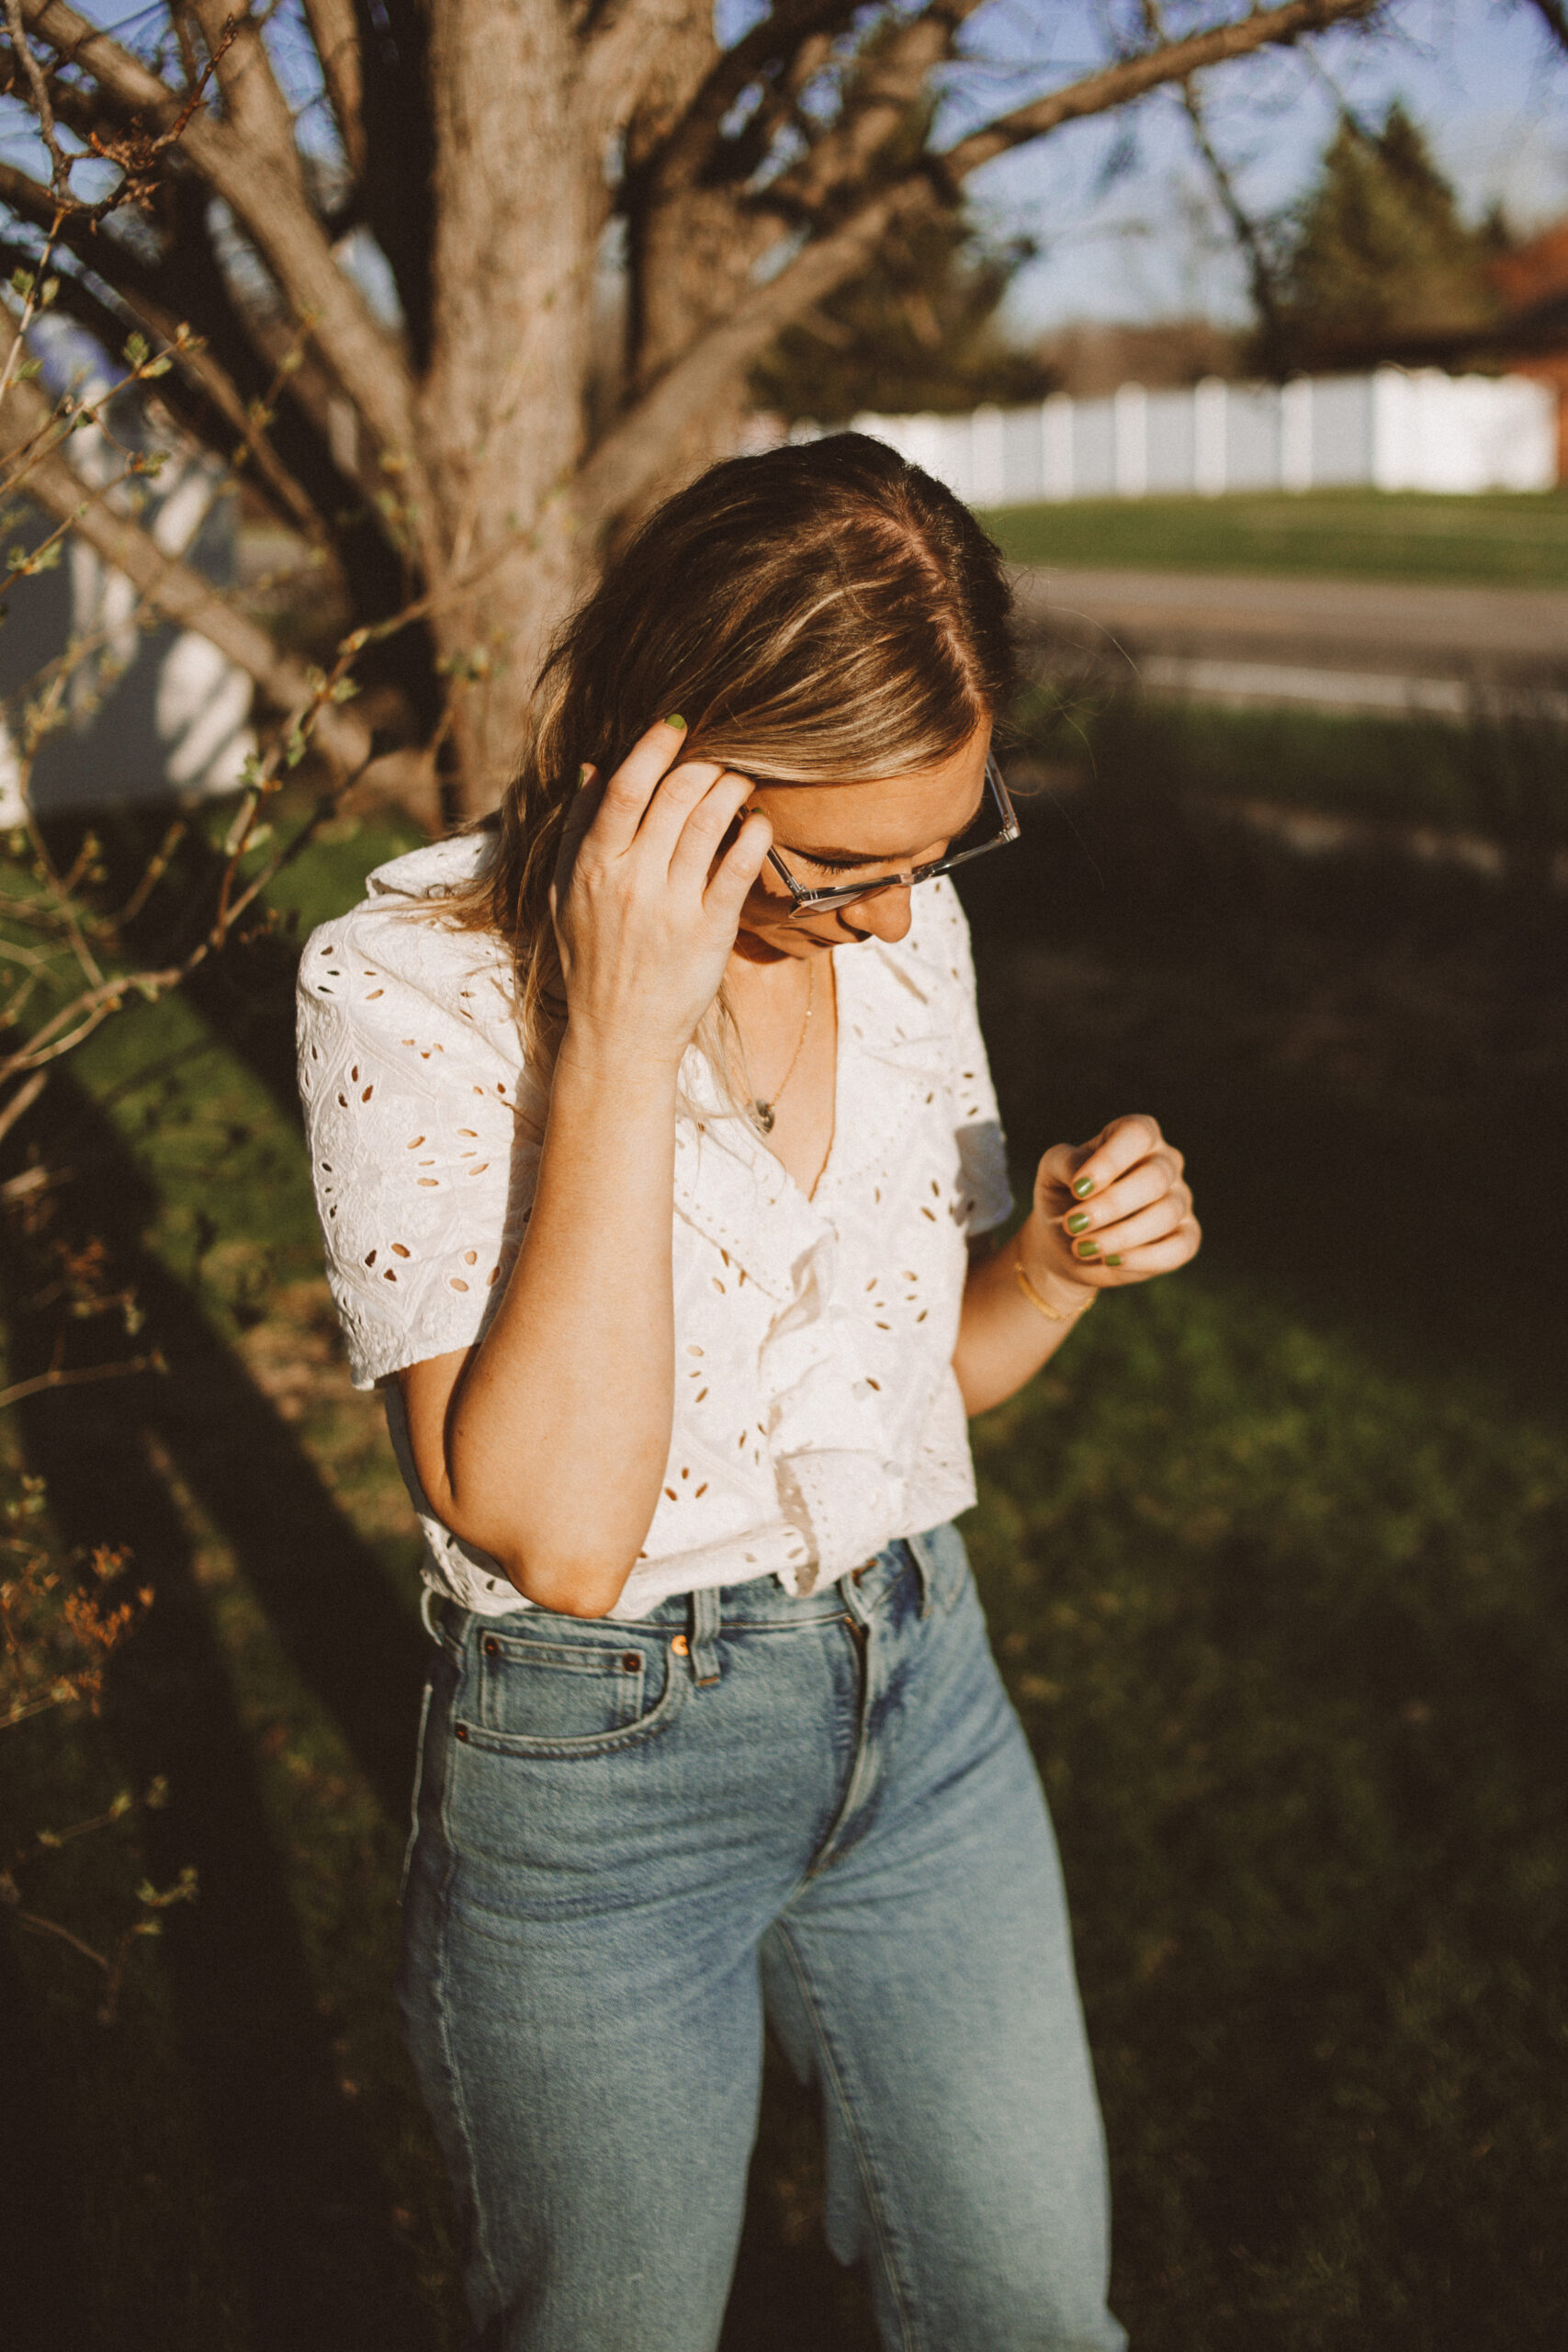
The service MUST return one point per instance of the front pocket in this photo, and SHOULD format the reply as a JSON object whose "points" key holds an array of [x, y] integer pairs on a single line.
{"points": [[555, 1698]]}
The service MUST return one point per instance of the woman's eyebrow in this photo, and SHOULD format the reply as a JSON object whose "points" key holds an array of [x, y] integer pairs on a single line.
{"points": [[868, 856]]}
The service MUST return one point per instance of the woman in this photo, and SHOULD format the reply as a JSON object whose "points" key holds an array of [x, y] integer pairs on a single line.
{"points": [[650, 1133]]}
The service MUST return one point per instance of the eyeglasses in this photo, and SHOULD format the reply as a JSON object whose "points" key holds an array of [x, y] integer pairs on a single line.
{"points": [[993, 828]]}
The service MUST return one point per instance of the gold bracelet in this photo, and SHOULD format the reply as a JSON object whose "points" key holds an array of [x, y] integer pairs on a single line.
{"points": [[1052, 1314]]}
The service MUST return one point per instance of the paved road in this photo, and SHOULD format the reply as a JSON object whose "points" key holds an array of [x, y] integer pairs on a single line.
{"points": [[1354, 644]]}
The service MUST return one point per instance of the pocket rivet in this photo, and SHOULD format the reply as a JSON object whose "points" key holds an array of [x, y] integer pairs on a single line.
{"points": [[493, 1647], [632, 1661], [460, 1731], [680, 1645]]}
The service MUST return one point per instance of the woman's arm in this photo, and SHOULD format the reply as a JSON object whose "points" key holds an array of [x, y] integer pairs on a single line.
{"points": [[1106, 1214], [544, 1445]]}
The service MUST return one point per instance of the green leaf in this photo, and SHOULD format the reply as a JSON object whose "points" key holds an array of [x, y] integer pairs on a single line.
{"points": [[136, 349]]}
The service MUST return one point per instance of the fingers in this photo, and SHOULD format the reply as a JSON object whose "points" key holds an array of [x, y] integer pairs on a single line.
{"points": [[1161, 1218], [1115, 1150], [1154, 1181], [706, 821], [1163, 1257], [631, 788], [1121, 1202], [738, 869]]}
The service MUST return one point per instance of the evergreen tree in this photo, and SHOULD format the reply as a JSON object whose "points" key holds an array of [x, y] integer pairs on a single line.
{"points": [[919, 331], [1382, 254]]}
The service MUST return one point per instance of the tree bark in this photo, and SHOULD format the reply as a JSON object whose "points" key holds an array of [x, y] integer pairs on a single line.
{"points": [[519, 204]]}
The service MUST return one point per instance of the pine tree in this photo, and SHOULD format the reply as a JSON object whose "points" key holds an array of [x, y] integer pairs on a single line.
{"points": [[919, 331], [1383, 256]]}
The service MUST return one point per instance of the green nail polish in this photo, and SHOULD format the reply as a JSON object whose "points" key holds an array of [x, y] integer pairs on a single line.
{"points": [[1083, 1188], [583, 775], [1076, 1223], [675, 719], [1089, 1249], [1114, 1262]]}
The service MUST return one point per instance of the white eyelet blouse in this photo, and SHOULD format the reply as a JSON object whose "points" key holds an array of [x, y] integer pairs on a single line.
{"points": [[816, 1412]]}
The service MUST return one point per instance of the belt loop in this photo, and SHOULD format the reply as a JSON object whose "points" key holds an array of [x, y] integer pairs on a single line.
{"points": [[429, 1601], [704, 1621], [924, 1568]]}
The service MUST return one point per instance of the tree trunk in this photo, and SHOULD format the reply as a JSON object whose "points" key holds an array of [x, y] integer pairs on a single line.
{"points": [[519, 203]]}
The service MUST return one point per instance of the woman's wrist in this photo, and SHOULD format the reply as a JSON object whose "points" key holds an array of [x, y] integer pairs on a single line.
{"points": [[624, 1070], [1058, 1293]]}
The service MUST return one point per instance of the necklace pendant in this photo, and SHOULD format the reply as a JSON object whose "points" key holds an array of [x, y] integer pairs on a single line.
{"points": [[762, 1113]]}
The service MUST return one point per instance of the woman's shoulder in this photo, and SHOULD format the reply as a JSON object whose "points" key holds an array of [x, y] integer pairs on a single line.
{"points": [[395, 943], [390, 986]]}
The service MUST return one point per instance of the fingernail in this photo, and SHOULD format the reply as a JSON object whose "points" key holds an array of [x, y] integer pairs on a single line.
{"points": [[1089, 1249], [1076, 1223], [1114, 1262], [1083, 1187], [583, 775], [675, 719]]}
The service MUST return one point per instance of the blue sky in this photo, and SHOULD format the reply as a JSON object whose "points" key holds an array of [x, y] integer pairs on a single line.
{"points": [[1118, 207], [1128, 230]]}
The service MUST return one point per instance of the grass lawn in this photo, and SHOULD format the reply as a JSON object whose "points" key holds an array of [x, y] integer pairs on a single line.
{"points": [[1502, 775], [1507, 540], [1273, 1562]]}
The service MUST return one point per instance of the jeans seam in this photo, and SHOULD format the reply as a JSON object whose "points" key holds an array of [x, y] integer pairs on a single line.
{"points": [[908, 2321], [453, 2077]]}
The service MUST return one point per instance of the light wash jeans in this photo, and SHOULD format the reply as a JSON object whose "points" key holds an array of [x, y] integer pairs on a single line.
{"points": [[631, 1841]]}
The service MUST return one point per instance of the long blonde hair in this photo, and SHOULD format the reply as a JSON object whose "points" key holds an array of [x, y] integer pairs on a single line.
{"points": [[819, 614]]}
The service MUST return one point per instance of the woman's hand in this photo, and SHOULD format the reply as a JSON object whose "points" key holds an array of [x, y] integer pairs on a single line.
{"points": [[1111, 1210], [645, 908]]}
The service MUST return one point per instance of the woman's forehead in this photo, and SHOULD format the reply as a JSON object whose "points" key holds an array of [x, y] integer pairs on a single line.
{"points": [[886, 816]]}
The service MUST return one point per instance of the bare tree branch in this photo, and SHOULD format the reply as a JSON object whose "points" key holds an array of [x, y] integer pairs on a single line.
{"points": [[172, 588], [253, 105], [632, 454], [1132, 77], [265, 195], [773, 44], [336, 37], [1247, 234], [36, 1386]]}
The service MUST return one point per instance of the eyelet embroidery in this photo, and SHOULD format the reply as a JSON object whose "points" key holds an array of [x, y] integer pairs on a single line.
{"points": [[409, 1074]]}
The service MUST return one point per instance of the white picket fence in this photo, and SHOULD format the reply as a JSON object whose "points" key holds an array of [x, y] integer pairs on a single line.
{"points": [[1397, 429]]}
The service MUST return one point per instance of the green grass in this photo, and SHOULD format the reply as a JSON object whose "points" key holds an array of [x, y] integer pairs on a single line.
{"points": [[1271, 1555], [1498, 540], [1500, 773]]}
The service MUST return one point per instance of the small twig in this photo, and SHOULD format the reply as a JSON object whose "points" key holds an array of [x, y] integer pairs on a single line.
{"points": [[21, 1103], [38, 275], [37, 82], [157, 867], [54, 1378], [53, 1928]]}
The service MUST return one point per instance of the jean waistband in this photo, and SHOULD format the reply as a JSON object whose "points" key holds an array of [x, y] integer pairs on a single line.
{"points": [[760, 1603]]}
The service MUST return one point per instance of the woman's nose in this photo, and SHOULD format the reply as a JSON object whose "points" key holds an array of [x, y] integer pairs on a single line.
{"points": [[883, 915]]}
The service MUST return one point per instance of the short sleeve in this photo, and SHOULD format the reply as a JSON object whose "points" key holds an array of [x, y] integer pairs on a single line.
{"points": [[978, 1126], [423, 1168]]}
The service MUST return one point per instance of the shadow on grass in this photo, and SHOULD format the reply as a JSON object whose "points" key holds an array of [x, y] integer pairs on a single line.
{"points": [[304, 2208]]}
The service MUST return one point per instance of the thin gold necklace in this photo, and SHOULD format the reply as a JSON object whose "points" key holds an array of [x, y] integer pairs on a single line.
{"points": [[762, 1114]]}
